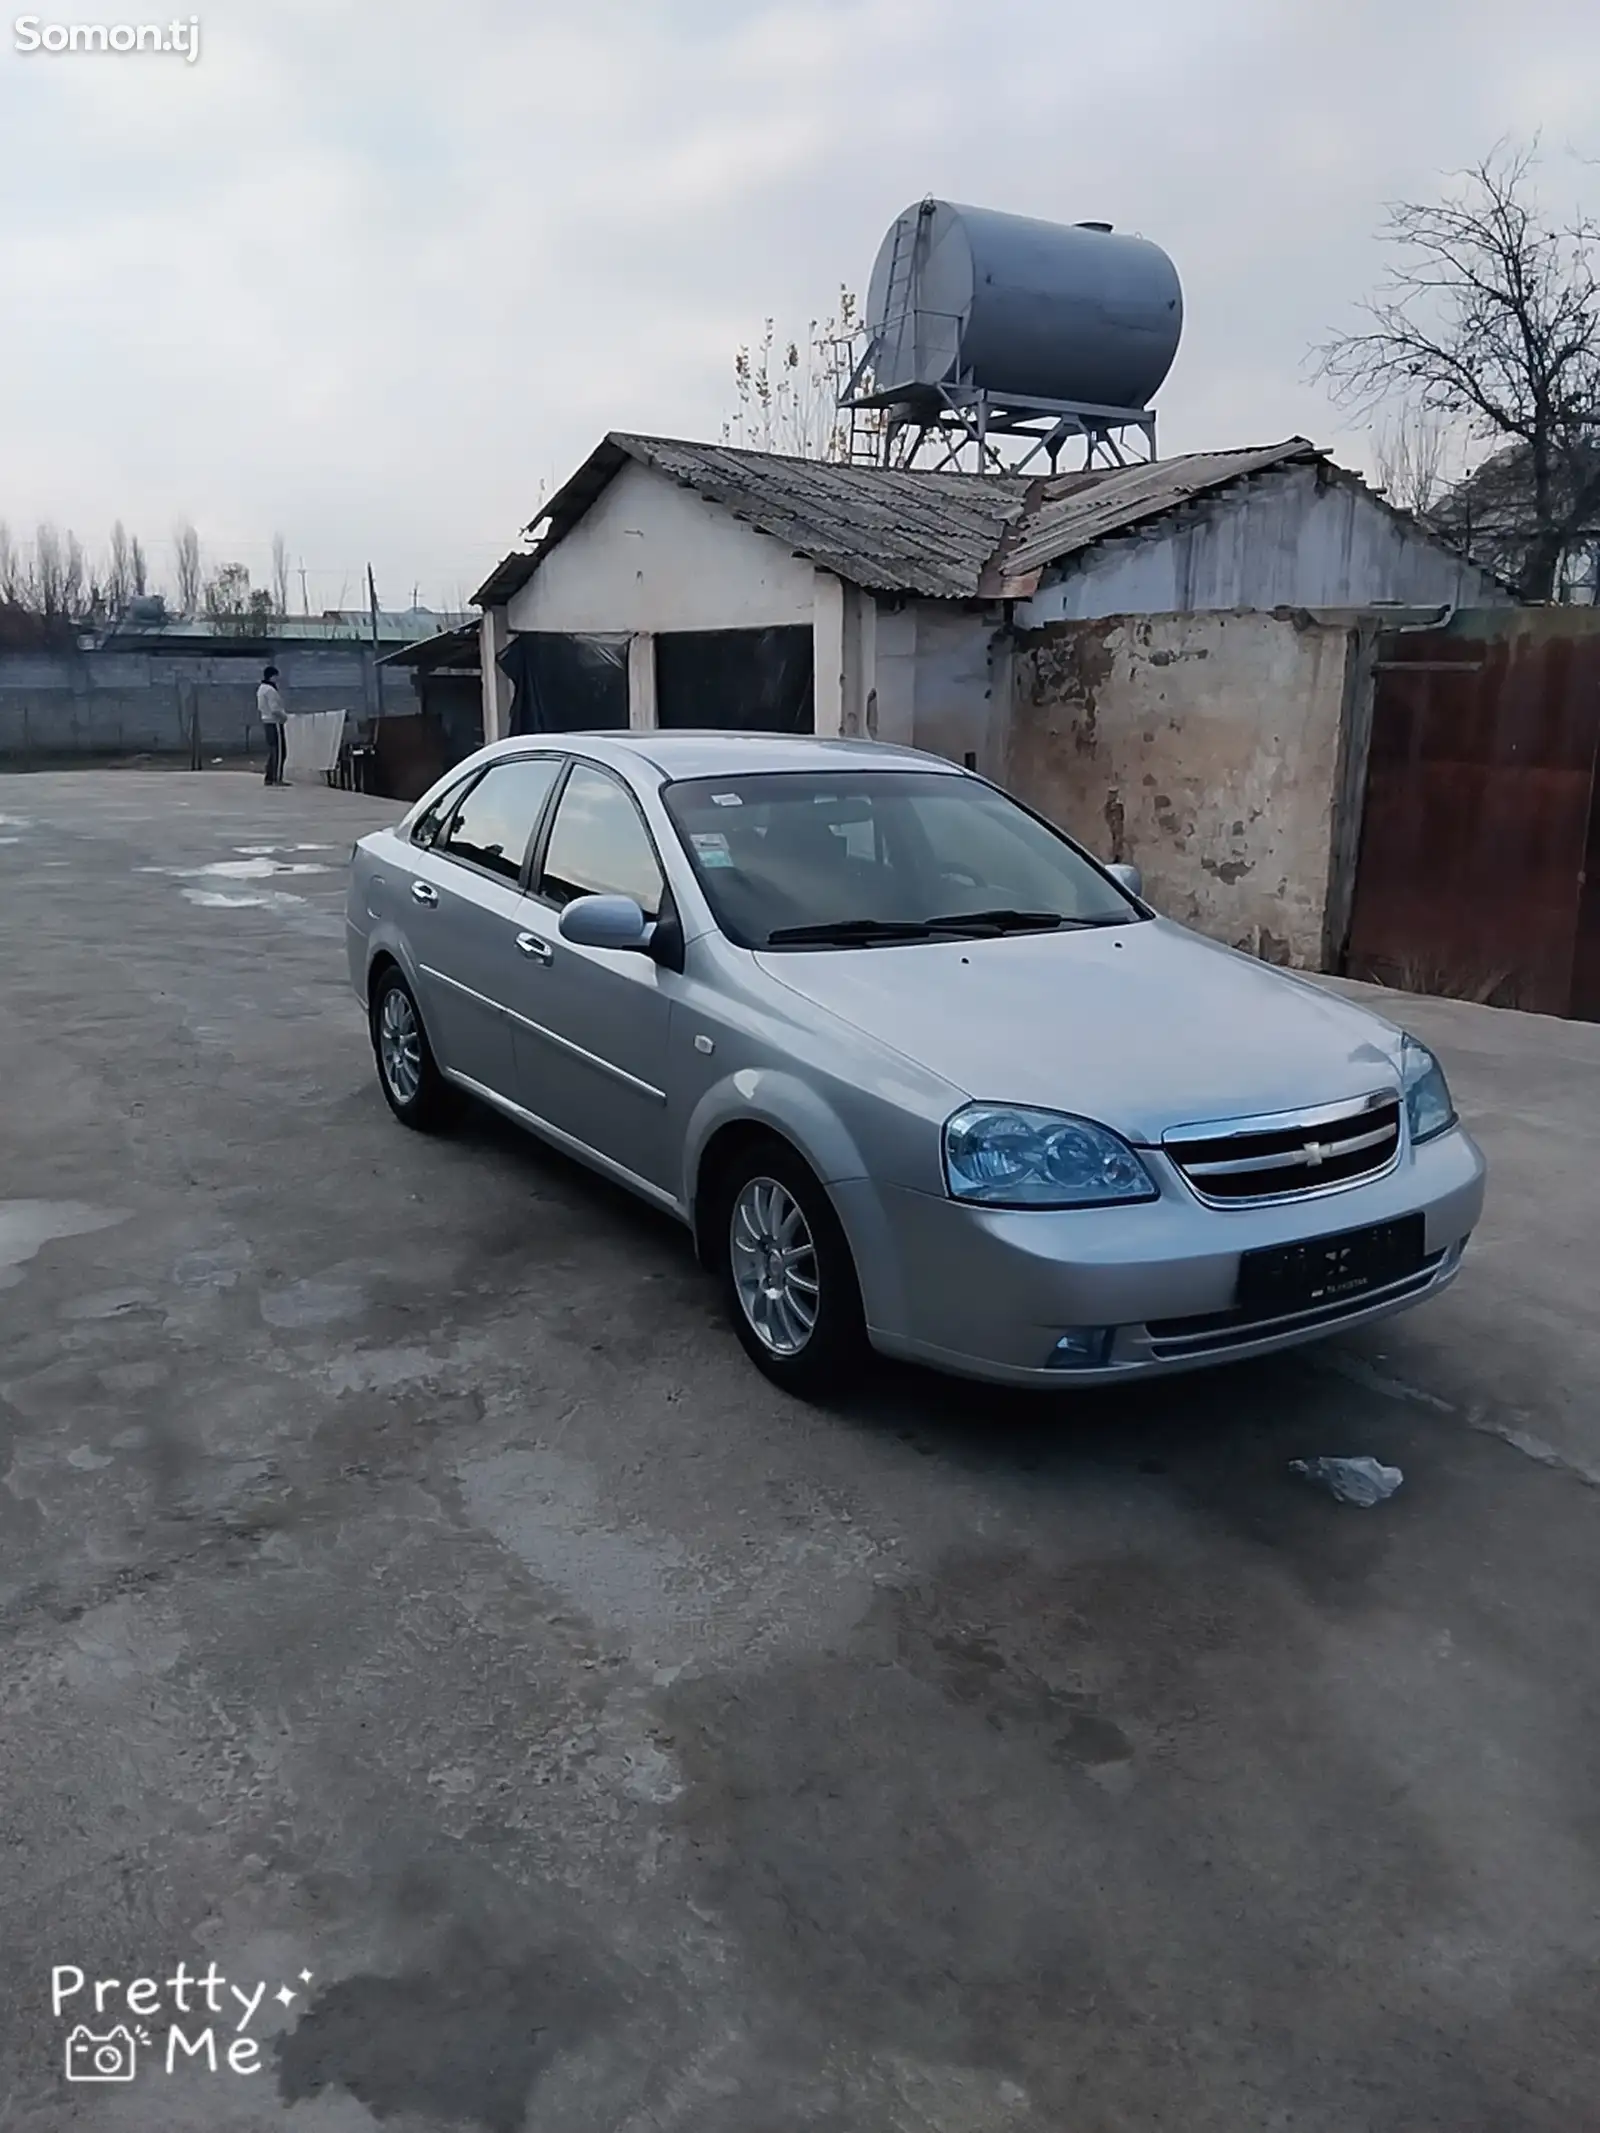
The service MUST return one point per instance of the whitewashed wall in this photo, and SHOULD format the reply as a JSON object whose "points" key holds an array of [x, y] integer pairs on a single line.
{"points": [[650, 555]]}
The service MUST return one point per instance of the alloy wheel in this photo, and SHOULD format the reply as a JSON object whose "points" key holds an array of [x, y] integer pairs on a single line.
{"points": [[774, 1260], [400, 1045]]}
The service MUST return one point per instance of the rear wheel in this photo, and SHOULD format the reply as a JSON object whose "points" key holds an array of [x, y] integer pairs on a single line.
{"points": [[787, 1274], [416, 1092]]}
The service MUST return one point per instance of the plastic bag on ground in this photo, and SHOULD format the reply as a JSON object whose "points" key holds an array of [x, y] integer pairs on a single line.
{"points": [[1362, 1481]]}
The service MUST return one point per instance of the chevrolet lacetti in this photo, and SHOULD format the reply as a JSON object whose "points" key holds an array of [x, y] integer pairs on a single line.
{"points": [[916, 1071]]}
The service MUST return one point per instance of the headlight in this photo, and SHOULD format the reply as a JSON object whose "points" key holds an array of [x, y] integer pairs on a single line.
{"points": [[1003, 1156], [1429, 1111]]}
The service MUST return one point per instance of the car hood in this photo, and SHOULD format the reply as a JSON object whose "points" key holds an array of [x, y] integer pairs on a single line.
{"points": [[1144, 1027]]}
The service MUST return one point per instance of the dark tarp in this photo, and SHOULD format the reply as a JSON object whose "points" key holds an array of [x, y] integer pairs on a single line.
{"points": [[563, 684], [456, 701], [733, 680]]}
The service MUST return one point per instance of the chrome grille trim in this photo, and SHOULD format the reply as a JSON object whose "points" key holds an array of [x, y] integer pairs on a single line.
{"points": [[1173, 1338], [1288, 1155], [1241, 1166]]}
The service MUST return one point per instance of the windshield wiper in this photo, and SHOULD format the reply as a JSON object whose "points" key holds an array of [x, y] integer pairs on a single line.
{"points": [[1002, 921], [846, 931], [853, 930]]}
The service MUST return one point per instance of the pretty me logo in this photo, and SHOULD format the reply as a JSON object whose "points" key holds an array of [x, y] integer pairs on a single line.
{"points": [[188, 2019]]}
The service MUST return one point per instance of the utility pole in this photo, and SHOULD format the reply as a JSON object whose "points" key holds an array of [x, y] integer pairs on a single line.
{"points": [[377, 671], [305, 597]]}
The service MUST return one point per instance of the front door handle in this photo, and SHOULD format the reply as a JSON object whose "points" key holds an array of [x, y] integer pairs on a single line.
{"points": [[425, 892], [530, 944]]}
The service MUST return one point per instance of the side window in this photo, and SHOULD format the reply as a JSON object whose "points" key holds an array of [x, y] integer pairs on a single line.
{"points": [[599, 845], [426, 828], [494, 824]]}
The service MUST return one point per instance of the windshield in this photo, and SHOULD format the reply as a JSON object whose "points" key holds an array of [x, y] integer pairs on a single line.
{"points": [[800, 859]]}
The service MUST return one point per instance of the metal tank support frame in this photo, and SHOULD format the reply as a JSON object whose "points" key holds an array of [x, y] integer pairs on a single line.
{"points": [[968, 420]]}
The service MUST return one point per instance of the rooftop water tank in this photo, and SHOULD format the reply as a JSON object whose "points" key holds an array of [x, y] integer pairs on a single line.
{"points": [[1013, 307]]}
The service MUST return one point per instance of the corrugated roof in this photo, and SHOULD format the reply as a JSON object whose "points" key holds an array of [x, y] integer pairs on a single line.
{"points": [[898, 530], [336, 626], [885, 528], [448, 648], [1070, 512]]}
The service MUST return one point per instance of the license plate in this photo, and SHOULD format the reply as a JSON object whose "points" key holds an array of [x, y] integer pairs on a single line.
{"points": [[1329, 1270]]}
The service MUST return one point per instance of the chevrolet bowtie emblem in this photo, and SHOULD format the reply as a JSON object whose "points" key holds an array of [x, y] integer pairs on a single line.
{"points": [[1316, 1154]]}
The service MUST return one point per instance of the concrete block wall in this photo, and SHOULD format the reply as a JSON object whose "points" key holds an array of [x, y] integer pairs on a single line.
{"points": [[59, 706]]}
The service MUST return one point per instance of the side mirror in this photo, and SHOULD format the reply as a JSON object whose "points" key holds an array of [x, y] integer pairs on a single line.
{"points": [[1128, 878], [606, 922]]}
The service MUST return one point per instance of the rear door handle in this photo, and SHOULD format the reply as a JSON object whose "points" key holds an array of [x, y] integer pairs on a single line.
{"points": [[425, 892], [530, 944]]}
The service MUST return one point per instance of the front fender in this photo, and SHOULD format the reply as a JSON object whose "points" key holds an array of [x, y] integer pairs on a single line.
{"points": [[767, 1096], [793, 1109]]}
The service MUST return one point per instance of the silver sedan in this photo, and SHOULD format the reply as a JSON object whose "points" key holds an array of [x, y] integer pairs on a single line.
{"points": [[916, 1071]]}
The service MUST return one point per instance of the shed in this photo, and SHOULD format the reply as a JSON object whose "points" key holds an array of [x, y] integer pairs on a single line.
{"points": [[675, 583]]}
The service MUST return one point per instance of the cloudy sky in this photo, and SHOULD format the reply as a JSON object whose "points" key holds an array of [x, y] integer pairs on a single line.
{"points": [[371, 272]]}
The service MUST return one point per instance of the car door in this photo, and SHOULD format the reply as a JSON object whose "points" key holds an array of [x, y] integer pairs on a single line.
{"points": [[468, 914], [591, 1024]]}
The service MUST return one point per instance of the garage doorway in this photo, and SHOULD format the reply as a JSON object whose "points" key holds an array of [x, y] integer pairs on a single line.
{"points": [[567, 684], [760, 681]]}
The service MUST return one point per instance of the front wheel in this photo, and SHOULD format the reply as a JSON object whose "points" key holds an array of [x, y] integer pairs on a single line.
{"points": [[416, 1092], [787, 1274]]}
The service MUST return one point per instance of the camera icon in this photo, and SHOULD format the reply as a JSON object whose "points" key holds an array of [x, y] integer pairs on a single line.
{"points": [[113, 2057]]}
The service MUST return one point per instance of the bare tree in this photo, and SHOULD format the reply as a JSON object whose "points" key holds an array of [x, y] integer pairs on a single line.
{"points": [[787, 392], [1490, 318], [119, 579], [1412, 455], [226, 596], [54, 582], [280, 575], [138, 569], [63, 590], [186, 563], [15, 590]]}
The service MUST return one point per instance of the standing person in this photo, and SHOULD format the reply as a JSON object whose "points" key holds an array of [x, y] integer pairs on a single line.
{"points": [[269, 708]]}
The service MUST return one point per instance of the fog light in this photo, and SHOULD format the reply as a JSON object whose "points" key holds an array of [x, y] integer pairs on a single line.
{"points": [[1082, 1348]]}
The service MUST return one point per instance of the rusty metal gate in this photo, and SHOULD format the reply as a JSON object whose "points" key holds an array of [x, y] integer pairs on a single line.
{"points": [[1478, 867]]}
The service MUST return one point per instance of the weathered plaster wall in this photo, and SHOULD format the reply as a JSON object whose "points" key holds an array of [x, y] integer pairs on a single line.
{"points": [[955, 713], [935, 677], [1205, 749]]}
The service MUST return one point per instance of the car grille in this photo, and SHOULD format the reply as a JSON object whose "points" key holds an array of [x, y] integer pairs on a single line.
{"points": [[1251, 1160]]}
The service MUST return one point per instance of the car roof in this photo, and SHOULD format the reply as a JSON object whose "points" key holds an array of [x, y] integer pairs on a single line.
{"points": [[684, 754]]}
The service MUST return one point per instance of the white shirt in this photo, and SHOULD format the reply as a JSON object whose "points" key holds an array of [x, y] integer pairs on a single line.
{"points": [[269, 705]]}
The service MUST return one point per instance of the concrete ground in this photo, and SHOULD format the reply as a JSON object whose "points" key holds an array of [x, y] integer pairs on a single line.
{"points": [[412, 1603]]}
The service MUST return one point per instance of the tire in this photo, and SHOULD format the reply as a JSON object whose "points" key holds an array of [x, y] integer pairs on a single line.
{"points": [[803, 1327], [408, 1074]]}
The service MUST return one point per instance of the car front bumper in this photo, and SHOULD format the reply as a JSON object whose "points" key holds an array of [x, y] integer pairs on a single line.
{"points": [[988, 1292]]}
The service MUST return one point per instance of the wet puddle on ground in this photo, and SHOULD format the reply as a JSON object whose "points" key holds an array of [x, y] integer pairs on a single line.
{"points": [[245, 900], [27, 1225], [257, 868]]}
